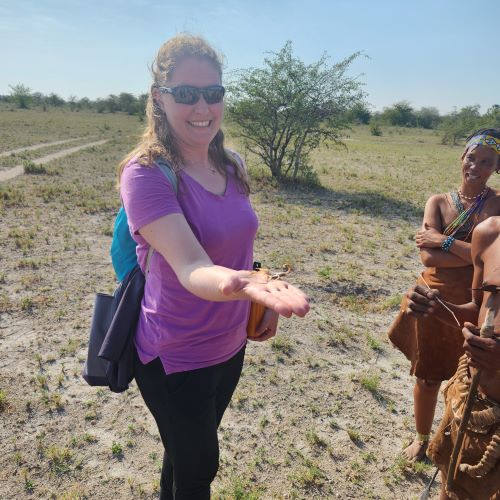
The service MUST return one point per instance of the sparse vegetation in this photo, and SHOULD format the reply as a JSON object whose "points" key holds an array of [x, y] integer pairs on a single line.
{"points": [[373, 343], [117, 449], [29, 484], [33, 169], [370, 382], [282, 345], [3, 400], [353, 434], [315, 440], [350, 241], [26, 303], [60, 459]]}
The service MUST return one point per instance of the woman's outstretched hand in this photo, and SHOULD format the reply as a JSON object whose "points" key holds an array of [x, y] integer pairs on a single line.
{"points": [[429, 237], [277, 295]]}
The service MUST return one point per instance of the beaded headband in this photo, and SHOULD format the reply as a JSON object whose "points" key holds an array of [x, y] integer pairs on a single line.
{"points": [[485, 140]]}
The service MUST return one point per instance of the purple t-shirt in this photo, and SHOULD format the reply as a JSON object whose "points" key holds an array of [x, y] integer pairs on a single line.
{"points": [[187, 332]]}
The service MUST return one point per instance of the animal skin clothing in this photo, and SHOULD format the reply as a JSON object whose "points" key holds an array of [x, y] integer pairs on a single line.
{"points": [[433, 347], [483, 426]]}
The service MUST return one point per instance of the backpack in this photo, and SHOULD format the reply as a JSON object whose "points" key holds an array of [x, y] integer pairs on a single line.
{"points": [[111, 353], [123, 246]]}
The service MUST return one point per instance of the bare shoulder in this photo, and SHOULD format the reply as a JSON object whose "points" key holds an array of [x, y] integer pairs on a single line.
{"points": [[437, 205], [437, 200], [494, 200], [487, 230]]}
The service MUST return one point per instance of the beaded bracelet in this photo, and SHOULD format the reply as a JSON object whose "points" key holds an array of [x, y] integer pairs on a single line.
{"points": [[447, 244], [422, 438]]}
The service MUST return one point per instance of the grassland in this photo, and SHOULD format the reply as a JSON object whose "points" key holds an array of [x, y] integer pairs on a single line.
{"points": [[322, 411]]}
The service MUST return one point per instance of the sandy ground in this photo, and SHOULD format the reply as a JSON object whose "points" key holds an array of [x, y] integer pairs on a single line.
{"points": [[321, 412], [37, 146]]}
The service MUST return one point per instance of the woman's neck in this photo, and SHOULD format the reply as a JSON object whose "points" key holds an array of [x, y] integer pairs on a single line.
{"points": [[194, 158], [471, 192]]}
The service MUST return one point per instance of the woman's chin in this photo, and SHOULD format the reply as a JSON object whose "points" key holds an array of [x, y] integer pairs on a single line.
{"points": [[474, 181]]}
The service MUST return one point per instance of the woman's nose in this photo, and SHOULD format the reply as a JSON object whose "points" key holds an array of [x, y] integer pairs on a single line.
{"points": [[201, 105]]}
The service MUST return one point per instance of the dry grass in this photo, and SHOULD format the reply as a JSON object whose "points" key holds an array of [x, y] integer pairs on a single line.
{"points": [[321, 411]]}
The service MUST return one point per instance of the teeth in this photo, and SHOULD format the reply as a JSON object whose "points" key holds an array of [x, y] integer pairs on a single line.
{"points": [[200, 124]]}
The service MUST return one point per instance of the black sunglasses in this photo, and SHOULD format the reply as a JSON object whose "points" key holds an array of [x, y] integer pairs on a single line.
{"points": [[186, 94]]}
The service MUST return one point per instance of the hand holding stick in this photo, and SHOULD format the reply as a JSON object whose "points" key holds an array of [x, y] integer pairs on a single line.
{"points": [[487, 331]]}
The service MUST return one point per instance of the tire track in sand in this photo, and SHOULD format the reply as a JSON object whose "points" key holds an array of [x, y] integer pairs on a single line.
{"points": [[38, 146], [19, 169]]}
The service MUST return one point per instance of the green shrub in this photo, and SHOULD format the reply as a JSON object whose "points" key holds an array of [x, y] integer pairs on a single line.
{"points": [[116, 448], [375, 129], [33, 168], [3, 400]]}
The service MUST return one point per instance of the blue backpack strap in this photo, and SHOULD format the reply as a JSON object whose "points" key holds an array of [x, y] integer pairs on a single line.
{"points": [[123, 247]]}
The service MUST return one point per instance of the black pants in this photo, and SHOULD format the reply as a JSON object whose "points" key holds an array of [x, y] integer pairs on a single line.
{"points": [[188, 407]]}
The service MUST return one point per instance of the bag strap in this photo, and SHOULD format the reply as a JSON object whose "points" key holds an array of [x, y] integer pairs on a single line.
{"points": [[171, 176], [238, 158], [169, 173]]}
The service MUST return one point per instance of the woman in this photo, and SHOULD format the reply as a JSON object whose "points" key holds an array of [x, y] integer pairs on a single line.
{"points": [[444, 242], [191, 333]]}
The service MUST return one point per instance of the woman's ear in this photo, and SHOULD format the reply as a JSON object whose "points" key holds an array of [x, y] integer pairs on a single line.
{"points": [[157, 102], [156, 95]]}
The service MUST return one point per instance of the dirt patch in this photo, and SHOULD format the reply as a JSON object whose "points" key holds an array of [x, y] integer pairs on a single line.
{"points": [[38, 146], [19, 169], [320, 412]]}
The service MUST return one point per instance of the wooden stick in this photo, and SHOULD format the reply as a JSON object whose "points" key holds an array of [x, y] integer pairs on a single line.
{"points": [[487, 330], [425, 493], [443, 304]]}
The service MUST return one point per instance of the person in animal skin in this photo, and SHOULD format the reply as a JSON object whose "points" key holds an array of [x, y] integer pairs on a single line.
{"points": [[479, 473]]}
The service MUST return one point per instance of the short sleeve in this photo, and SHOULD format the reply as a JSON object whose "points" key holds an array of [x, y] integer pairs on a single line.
{"points": [[147, 195]]}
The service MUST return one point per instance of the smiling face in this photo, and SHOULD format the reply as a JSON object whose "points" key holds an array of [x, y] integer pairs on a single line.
{"points": [[193, 125], [478, 163]]}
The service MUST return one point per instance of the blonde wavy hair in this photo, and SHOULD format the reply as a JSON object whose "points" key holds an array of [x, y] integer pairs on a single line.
{"points": [[158, 141]]}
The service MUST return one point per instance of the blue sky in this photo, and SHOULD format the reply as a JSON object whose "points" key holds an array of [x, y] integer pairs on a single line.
{"points": [[441, 53]]}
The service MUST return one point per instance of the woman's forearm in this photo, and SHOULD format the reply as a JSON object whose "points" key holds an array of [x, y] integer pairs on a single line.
{"points": [[197, 273], [205, 280], [435, 257], [461, 249], [190, 262], [220, 284]]}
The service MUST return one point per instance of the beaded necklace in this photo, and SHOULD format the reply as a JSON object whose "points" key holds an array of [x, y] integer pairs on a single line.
{"points": [[469, 198], [465, 216]]}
